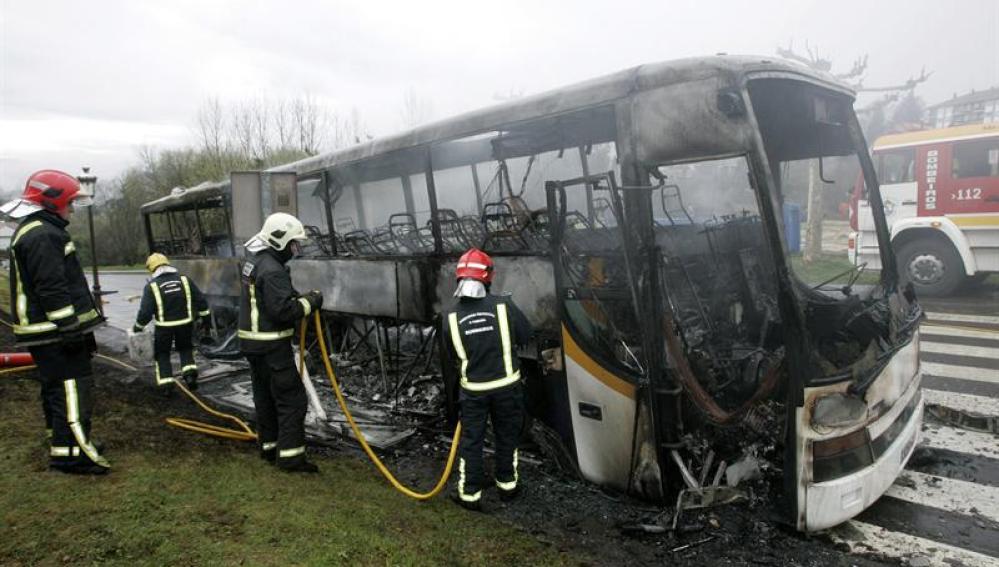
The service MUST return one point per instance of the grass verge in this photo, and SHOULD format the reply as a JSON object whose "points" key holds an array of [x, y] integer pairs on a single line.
{"points": [[830, 267], [179, 498]]}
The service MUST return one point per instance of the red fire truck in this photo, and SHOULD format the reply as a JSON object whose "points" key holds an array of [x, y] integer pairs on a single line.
{"points": [[941, 198]]}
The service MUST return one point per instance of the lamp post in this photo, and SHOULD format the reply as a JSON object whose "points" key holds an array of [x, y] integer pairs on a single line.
{"points": [[88, 187]]}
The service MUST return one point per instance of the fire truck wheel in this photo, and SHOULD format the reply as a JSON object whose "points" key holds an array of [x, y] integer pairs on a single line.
{"points": [[933, 267]]}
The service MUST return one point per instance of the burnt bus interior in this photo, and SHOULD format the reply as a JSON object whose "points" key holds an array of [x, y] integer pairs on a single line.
{"points": [[670, 273]]}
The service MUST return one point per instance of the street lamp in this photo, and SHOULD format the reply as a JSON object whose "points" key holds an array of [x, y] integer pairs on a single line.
{"points": [[88, 188]]}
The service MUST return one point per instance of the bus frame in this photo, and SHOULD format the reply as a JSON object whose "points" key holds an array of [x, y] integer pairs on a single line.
{"points": [[625, 409]]}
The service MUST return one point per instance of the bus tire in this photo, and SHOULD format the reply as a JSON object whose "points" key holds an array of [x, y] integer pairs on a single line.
{"points": [[934, 267]]}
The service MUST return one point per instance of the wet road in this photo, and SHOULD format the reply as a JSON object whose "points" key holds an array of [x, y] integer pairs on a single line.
{"points": [[121, 306], [944, 509]]}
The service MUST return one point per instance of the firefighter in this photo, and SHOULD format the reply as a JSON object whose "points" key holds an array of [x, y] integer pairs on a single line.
{"points": [[483, 330], [173, 302], [55, 315], [269, 309]]}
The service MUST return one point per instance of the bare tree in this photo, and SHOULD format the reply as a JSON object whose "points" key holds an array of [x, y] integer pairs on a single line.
{"points": [[260, 114], [212, 130], [310, 122], [854, 77], [283, 124], [416, 109], [241, 129]]}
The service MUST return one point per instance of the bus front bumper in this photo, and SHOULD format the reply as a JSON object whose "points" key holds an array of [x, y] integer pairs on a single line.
{"points": [[833, 502]]}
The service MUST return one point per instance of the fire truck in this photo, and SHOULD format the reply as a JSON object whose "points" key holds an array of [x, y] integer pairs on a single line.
{"points": [[941, 198]]}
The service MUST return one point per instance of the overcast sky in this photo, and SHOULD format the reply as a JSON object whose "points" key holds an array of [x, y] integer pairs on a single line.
{"points": [[87, 83]]}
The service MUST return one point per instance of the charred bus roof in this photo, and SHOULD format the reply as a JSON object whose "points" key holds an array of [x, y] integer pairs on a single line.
{"points": [[200, 196], [718, 72], [689, 106]]}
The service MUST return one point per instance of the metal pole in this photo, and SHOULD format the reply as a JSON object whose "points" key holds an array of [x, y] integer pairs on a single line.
{"points": [[93, 254]]}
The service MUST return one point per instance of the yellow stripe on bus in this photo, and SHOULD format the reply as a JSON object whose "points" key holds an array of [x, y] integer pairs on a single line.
{"points": [[975, 220], [573, 351]]}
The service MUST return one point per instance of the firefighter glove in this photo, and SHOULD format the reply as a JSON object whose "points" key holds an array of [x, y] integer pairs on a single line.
{"points": [[315, 299]]}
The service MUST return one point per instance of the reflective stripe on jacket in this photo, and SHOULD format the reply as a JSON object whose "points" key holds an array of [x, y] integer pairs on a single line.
{"points": [[269, 306], [48, 290], [483, 334], [171, 300]]}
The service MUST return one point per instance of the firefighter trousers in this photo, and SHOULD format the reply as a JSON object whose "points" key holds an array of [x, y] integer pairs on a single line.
{"points": [[68, 401], [164, 340], [280, 401], [505, 408]]}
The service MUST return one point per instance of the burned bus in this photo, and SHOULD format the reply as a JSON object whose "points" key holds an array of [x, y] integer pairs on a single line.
{"points": [[637, 220]]}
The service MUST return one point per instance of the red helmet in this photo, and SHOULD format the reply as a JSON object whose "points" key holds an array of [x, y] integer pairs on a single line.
{"points": [[52, 190], [475, 264]]}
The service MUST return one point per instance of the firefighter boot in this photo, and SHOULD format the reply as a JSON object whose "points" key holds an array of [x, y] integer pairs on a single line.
{"points": [[474, 506], [301, 466], [81, 466], [191, 380], [509, 495]]}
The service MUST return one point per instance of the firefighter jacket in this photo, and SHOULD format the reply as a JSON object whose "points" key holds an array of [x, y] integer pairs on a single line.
{"points": [[170, 300], [483, 334], [48, 291], [269, 306]]}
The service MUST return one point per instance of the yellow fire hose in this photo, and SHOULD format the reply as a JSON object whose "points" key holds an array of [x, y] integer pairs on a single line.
{"points": [[246, 434], [17, 369], [357, 432]]}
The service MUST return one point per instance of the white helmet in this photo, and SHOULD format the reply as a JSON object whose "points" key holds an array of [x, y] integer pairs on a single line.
{"points": [[279, 229]]}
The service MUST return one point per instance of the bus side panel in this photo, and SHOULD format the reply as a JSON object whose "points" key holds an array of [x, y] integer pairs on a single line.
{"points": [[216, 277], [603, 417]]}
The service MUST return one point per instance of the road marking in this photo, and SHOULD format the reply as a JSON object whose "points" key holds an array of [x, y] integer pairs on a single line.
{"points": [[958, 350], [960, 372], [963, 402], [947, 494], [897, 544], [960, 440], [960, 317], [963, 332]]}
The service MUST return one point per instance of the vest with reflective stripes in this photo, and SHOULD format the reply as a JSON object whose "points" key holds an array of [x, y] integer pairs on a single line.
{"points": [[162, 318], [31, 323], [482, 341], [254, 333], [258, 330]]}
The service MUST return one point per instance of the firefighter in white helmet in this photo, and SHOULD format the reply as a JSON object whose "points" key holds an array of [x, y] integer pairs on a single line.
{"points": [[268, 312], [174, 303], [483, 331]]}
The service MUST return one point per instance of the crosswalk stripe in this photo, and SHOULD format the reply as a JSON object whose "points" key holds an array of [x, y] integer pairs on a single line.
{"points": [[978, 501], [963, 402], [947, 494], [963, 332], [961, 372], [938, 316], [963, 441], [958, 350], [898, 544]]}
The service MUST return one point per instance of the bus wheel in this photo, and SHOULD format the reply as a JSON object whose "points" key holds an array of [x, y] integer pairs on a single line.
{"points": [[933, 267]]}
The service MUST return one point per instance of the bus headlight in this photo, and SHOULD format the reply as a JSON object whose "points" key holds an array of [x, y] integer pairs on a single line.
{"points": [[838, 411]]}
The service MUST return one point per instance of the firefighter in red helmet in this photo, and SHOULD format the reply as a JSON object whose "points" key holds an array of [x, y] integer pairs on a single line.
{"points": [[55, 315], [483, 331]]}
